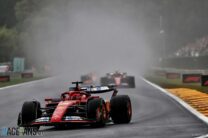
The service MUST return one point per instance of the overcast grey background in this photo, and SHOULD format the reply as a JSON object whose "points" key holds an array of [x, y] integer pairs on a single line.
{"points": [[80, 36]]}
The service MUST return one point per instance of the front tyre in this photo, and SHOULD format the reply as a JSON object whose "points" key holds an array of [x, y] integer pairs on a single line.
{"points": [[121, 109], [30, 112], [19, 120]]}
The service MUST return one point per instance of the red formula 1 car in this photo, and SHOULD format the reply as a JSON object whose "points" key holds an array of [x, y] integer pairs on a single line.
{"points": [[118, 79], [77, 106]]}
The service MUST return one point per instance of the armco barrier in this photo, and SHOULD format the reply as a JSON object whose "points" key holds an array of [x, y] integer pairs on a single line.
{"points": [[27, 75], [160, 73], [170, 75], [186, 76], [5, 78]]}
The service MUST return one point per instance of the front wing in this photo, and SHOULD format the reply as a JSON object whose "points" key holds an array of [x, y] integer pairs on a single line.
{"points": [[45, 121]]}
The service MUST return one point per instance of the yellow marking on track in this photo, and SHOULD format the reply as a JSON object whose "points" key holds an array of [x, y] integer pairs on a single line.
{"points": [[196, 99]]}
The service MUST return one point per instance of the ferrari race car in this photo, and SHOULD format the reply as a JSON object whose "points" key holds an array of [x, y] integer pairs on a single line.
{"points": [[118, 79], [77, 106], [89, 78]]}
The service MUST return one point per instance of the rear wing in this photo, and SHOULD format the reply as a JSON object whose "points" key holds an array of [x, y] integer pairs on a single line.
{"points": [[100, 89], [97, 89]]}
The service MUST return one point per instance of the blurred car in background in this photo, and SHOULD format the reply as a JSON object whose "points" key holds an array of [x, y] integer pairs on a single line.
{"points": [[118, 79], [89, 78]]}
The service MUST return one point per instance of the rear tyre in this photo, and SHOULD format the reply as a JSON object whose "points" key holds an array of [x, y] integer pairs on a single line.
{"points": [[131, 81], [96, 110], [121, 110], [30, 112]]}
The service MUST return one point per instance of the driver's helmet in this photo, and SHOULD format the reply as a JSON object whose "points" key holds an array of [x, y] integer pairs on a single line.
{"points": [[65, 96], [78, 97]]}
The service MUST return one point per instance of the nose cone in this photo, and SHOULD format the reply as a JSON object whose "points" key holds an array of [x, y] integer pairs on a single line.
{"points": [[60, 110], [117, 80]]}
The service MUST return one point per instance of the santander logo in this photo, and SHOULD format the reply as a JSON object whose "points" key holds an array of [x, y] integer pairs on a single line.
{"points": [[192, 79]]}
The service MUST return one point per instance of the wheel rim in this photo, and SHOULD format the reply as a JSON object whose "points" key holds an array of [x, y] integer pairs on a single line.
{"points": [[129, 109], [101, 113], [104, 112], [98, 114]]}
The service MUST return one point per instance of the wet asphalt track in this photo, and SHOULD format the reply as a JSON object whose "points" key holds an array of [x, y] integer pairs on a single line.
{"points": [[155, 115]]}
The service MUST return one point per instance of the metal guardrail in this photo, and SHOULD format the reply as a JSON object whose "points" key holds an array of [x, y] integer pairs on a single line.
{"points": [[182, 71], [185, 75]]}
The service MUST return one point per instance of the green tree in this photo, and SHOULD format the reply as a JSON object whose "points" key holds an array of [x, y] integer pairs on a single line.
{"points": [[8, 44], [7, 13]]}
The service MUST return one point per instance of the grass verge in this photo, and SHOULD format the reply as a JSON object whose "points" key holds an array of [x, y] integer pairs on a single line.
{"points": [[175, 83], [192, 93], [14, 81]]}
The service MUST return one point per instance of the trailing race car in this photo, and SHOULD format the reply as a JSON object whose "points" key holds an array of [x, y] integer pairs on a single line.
{"points": [[89, 78], [120, 80], [77, 106]]}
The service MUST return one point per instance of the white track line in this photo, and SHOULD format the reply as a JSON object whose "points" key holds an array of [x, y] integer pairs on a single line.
{"points": [[24, 83], [184, 104], [203, 136], [181, 102]]}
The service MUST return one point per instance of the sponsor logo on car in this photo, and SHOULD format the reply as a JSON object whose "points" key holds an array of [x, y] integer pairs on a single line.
{"points": [[96, 88], [42, 119], [68, 118]]}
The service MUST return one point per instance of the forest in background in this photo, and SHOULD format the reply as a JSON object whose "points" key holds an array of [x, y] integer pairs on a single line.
{"points": [[182, 20]]}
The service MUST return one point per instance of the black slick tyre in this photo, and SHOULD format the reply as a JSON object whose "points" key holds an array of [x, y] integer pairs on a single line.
{"points": [[121, 110], [19, 120], [30, 112], [131, 81]]}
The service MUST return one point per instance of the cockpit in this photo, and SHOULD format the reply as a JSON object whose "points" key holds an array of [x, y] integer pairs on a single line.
{"points": [[74, 95]]}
